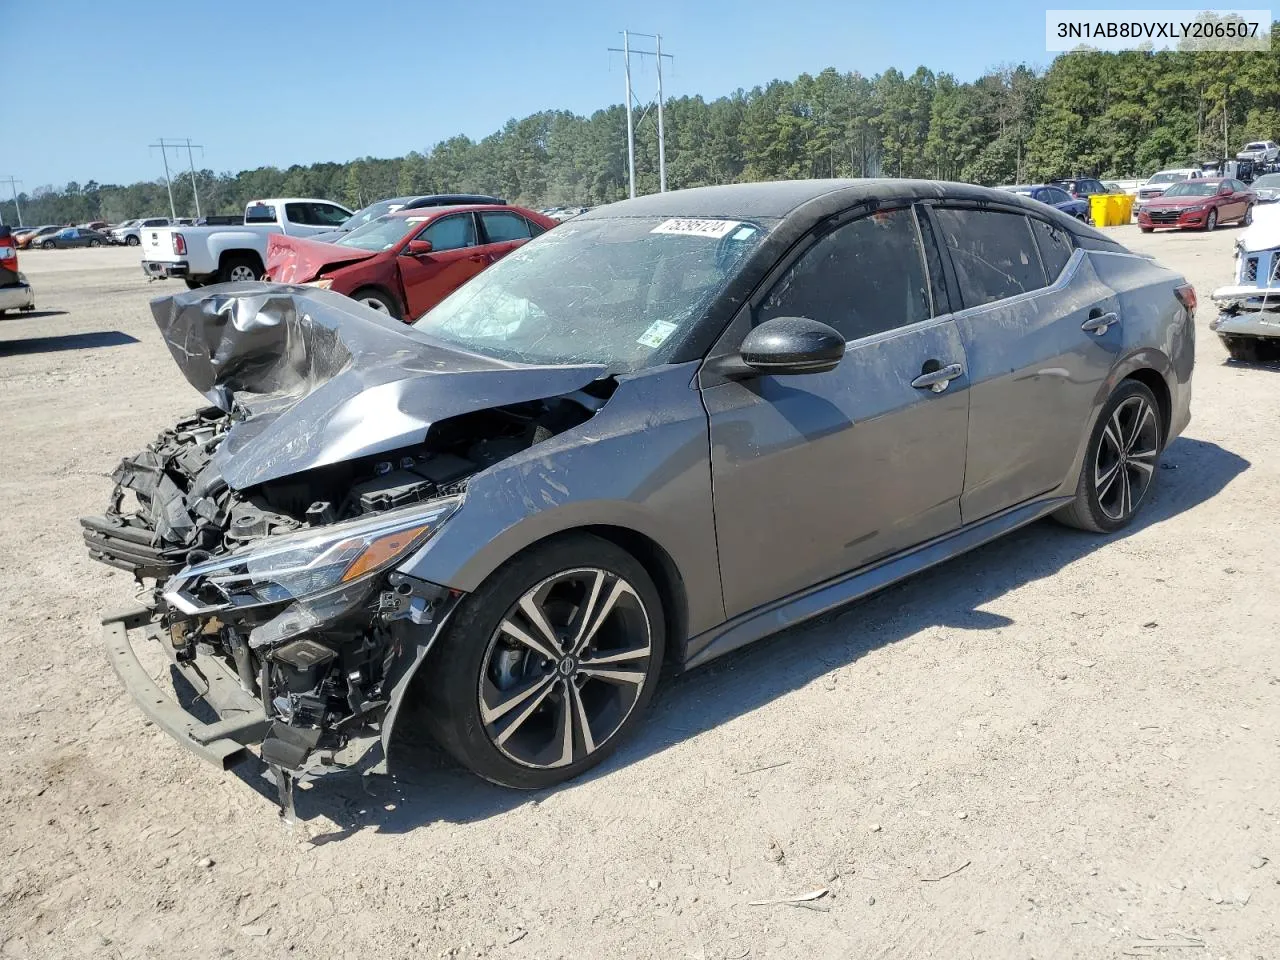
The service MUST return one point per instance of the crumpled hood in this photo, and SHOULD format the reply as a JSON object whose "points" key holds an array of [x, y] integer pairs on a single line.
{"points": [[298, 259], [314, 378]]}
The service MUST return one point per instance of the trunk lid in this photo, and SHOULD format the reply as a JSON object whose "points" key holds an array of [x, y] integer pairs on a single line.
{"points": [[298, 260]]}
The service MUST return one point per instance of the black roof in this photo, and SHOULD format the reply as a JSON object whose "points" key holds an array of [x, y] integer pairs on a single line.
{"points": [[802, 203]]}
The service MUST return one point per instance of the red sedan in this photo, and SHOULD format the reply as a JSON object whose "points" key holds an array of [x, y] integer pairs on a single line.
{"points": [[1199, 204], [406, 262]]}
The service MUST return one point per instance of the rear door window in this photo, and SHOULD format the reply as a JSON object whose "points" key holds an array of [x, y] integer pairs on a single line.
{"points": [[993, 252], [1056, 196], [501, 227], [862, 278]]}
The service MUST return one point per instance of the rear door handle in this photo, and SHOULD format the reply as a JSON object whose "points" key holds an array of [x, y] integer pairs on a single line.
{"points": [[1099, 322], [937, 380]]}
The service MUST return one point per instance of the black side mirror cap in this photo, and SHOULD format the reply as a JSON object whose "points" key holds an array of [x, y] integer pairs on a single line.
{"points": [[785, 346]]}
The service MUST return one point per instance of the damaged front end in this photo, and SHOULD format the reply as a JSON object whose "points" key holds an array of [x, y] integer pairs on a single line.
{"points": [[1248, 321], [267, 529]]}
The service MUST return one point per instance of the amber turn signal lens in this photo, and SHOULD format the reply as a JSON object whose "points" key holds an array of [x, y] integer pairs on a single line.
{"points": [[382, 551]]}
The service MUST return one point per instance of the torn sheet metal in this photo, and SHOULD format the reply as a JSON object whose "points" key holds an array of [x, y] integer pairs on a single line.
{"points": [[314, 378]]}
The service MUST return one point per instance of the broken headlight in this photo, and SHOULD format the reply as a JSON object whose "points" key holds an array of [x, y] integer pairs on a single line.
{"points": [[296, 566]]}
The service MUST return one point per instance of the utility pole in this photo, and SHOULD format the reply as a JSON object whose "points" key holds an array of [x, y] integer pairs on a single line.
{"points": [[176, 142], [657, 54], [662, 139], [192, 166], [631, 133], [13, 185], [173, 214]]}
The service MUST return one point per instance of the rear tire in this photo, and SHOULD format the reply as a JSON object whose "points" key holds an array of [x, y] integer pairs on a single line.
{"points": [[95, 243], [1120, 461], [378, 300], [537, 713], [131, 241], [240, 268], [1247, 220]]}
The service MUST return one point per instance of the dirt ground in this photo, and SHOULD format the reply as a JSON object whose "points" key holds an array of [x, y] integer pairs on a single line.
{"points": [[1059, 745]]}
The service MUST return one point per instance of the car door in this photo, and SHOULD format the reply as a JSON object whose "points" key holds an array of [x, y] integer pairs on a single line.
{"points": [[1041, 332], [823, 473], [454, 259], [1241, 196], [503, 231]]}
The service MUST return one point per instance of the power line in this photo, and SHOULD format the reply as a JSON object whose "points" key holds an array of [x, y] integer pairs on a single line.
{"points": [[176, 142], [13, 185], [658, 56]]}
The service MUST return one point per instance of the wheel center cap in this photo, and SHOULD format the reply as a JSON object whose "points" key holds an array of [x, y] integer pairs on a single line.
{"points": [[567, 667]]}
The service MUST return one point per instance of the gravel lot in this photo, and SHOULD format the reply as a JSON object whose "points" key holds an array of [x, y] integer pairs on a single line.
{"points": [[1082, 732]]}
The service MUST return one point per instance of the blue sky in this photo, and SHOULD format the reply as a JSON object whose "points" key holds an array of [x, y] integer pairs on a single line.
{"points": [[91, 82]]}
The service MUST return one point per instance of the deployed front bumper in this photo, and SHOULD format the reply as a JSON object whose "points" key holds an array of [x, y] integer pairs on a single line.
{"points": [[242, 719]]}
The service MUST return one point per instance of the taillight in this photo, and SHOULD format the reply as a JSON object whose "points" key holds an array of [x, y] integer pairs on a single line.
{"points": [[1186, 295], [179, 245]]}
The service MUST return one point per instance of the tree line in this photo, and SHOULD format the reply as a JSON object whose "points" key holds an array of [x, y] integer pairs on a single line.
{"points": [[1112, 115]]}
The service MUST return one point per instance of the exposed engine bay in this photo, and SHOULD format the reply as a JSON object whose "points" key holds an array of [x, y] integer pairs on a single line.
{"points": [[289, 582], [1249, 319]]}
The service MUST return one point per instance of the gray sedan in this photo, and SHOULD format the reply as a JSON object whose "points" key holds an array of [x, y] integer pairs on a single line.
{"points": [[72, 237], [661, 431]]}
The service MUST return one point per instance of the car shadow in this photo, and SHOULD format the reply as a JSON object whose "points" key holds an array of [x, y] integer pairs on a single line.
{"points": [[34, 314], [67, 341], [426, 786]]}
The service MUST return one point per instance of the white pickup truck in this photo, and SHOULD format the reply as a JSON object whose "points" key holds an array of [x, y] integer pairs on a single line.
{"points": [[201, 255]]}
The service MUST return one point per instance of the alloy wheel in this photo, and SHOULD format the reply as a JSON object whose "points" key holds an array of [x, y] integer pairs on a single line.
{"points": [[1126, 458], [241, 272], [1212, 220], [376, 304], [565, 668]]}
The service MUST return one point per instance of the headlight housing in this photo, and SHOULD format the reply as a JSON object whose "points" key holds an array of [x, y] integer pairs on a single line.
{"points": [[301, 565], [324, 283]]}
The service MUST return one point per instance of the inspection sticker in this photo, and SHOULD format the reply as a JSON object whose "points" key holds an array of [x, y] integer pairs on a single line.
{"points": [[697, 228], [657, 333]]}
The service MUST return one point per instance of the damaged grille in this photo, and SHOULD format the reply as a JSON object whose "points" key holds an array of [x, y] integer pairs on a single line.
{"points": [[180, 507]]}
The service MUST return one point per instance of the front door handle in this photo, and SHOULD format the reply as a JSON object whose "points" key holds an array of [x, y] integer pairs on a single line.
{"points": [[1100, 322], [937, 380]]}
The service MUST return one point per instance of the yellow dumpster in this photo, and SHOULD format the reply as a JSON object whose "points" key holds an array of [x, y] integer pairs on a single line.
{"points": [[1123, 207], [1100, 210]]}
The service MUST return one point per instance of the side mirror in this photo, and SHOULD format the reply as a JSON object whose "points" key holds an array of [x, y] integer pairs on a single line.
{"points": [[417, 247], [786, 346]]}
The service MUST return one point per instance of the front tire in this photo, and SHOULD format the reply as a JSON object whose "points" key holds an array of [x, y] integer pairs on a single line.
{"points": [[1211, 221], [48, 245], [547, 667], [1146, 229], [1120, 461], [132, 241], [377, 300]]}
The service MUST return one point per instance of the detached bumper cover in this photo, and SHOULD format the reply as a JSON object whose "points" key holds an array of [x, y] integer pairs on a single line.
{"points": [[242, 720], [1249, 323]]}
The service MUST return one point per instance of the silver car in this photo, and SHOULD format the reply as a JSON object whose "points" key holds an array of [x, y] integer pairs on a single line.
{"points": [[661, 431]]}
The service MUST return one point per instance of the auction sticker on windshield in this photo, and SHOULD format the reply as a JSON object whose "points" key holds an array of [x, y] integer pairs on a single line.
{"points": [[657, 334], [714, 229]]}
